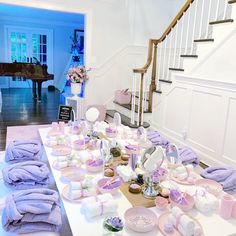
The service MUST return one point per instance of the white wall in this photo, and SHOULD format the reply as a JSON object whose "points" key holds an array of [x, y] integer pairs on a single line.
{"points": [[201, 114], [152, 17]]}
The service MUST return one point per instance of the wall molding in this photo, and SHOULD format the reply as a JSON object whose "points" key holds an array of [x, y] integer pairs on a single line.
{"points": [[206, 121]]}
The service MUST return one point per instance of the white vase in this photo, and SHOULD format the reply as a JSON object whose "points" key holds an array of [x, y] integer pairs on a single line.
{"points": [[75, 88]]}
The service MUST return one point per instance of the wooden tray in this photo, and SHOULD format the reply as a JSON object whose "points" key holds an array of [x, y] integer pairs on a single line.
{"points": [[136, 199]]}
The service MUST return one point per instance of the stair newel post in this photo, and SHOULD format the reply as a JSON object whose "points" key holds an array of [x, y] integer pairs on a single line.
{"points": [[152, 86]]}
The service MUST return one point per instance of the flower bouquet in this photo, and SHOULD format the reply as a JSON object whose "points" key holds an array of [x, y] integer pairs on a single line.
{"points": [[77, 74]]}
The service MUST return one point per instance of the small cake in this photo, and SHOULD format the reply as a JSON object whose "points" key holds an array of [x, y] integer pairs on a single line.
{"points": [[165, 192], [109, 172], [125, 157], [115, 152], [135, 188]]}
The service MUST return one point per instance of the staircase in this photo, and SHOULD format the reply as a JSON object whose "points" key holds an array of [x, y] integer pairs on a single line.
{"points": [[183, 45]]}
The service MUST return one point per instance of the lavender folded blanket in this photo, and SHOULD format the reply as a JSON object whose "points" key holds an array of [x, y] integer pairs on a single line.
{"points": [[157, 139], [24, 175], [24, 150], [188, 156], [32, 210], [226, 176]]}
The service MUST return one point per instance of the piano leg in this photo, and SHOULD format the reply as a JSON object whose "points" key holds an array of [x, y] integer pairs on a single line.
{"points": [[34, 90], [39, 90]]}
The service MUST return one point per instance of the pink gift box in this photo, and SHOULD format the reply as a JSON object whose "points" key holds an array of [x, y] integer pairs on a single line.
{"points": [[122, 97]]}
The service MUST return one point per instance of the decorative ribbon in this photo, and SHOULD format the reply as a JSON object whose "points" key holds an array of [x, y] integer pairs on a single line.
{"points": [[178, 220]]}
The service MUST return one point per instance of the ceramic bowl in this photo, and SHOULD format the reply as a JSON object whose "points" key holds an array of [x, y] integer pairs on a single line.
{"points": [[161, 202], [111, 132], [95, 165], [109, 185], [210, 185], [140, 219], [186, 203], [81, 144]]}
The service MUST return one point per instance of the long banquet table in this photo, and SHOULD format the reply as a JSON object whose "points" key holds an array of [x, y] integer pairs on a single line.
{"points": [[212, 224]]}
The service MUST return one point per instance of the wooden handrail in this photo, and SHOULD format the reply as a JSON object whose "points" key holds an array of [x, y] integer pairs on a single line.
{"points": [[175, 20], [162, 38]]}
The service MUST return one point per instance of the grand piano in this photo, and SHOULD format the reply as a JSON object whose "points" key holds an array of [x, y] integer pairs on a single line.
{"points": [[36, 72]]}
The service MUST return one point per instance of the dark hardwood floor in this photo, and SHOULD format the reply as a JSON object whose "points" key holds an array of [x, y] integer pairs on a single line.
{"points": [[20, 109]]}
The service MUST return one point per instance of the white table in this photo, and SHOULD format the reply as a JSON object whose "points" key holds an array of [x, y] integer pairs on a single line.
{"points": [[213, 224]]}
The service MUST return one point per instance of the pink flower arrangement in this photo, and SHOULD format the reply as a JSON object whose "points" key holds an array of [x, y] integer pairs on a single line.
{"points": [[77, 74]]}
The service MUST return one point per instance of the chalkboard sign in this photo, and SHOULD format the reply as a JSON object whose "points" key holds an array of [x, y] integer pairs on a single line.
{"points": [[64, 113]]}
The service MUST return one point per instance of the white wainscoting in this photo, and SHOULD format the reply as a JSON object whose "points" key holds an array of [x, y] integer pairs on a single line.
{"points": [[199, 113]]}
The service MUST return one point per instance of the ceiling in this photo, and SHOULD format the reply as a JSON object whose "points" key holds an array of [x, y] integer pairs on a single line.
{"points": [[27, 12]]}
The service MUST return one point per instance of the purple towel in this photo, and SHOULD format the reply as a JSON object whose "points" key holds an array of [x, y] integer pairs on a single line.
{"points": [[24, 150], [188, 156], [226, 176], [24, 175], [32, 210], [157, 139]]}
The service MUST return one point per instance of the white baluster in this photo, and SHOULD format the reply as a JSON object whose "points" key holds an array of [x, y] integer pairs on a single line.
{"points": [[133, 100], [159, 61], [176, 40], [164, 58], [208, 18], [181, 37], [194, 25], [139, 99], [217, 9], [187, 34], [143, 100], [170, 51], [225, 9], [201, 19]]}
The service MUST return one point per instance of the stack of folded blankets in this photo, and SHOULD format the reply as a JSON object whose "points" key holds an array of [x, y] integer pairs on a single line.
{"points": [[183, 223], [98, 205], [23, 151], [24, 175], [226, 176], [188, 156], [32, 210], [157, 139]]}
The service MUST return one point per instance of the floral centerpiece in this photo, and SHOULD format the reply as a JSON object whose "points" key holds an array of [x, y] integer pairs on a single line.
{"points": [[77, 74]]}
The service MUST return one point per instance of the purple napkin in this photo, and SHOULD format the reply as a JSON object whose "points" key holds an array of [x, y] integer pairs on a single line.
{"points": [[188, 156]]}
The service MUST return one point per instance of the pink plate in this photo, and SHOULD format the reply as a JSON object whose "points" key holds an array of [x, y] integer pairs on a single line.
{"points": [[185, 182], [140, 219], [164, 219], [210, 185], [55, 166], [65, 195], [61, 150], [73, 173]]}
